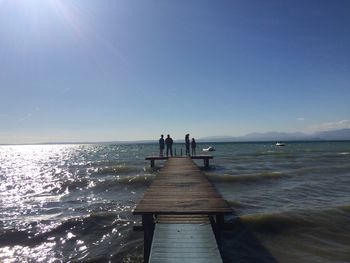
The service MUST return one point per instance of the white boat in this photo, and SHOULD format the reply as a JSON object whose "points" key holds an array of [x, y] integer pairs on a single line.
{"points": [[280, 144], [209, 149]]}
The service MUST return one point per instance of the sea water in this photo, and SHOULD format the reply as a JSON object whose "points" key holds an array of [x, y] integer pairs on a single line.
{"points": [[73, 203]]}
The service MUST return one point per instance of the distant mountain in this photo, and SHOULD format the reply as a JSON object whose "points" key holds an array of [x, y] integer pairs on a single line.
{"points": [[267, 136], [343, 134]]}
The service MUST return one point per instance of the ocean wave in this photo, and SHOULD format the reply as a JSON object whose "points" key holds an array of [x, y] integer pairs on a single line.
{"points": [[321, 169], [70, 185], [102, 183], [331, 218], [75, 184], [77, 227], [345, 208], [115, 169], [273, 223], [244, 178], [235, 204], [124, 180], [136, 179]]}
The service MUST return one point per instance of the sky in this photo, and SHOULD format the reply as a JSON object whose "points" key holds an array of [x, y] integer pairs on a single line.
{"points": [[106, 70]]}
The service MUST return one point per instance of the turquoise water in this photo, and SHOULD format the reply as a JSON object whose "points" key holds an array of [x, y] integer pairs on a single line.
{"points": [[61, 203]]}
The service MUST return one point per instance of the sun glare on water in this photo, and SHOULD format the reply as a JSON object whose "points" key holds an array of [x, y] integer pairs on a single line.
{"points": [[27, 180]]}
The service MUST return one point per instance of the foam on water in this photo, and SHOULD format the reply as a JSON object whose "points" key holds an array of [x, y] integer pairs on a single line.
{"points": [[115, 169]]}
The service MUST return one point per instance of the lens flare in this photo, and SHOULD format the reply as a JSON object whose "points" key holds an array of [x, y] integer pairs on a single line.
{"points": [[31, 23], [77, 20]]}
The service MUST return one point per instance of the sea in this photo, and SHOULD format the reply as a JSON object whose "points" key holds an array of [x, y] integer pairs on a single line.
{"points": [[74, 202]]}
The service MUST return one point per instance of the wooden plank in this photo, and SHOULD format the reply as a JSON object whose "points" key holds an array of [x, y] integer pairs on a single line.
{"points": [[156, 158], [205, 158], [174, 195], [183, 219], [202, 157], [180, 195], [181, 187], [184, 243], [183, 200]]}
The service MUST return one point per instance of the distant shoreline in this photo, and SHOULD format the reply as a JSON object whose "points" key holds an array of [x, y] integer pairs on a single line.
{"points": [[175, 141], [331, 135]]}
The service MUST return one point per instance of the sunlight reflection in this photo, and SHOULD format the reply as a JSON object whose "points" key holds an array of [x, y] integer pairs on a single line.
{"points": [[53, 207], [41, 253], [28, 176]]}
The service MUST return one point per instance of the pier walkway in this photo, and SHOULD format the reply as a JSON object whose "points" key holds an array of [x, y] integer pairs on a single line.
{"points": [[205, 159], [182, 214]]}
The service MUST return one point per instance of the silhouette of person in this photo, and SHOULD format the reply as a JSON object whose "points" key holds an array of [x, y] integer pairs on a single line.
{"points": [[187, 143], [169, 145], [161, 145], [193, 146]]}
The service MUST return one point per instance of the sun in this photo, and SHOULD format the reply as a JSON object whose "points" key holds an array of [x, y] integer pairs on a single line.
{"points": [[36, 15], [28, 25]]}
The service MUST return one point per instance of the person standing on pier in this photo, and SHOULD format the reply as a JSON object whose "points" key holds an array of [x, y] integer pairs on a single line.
{"points": [[169, 146], [161, 145], [187, 143], [193, 146]]}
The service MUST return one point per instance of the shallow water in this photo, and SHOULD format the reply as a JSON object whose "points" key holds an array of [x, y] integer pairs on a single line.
{"points": [[61, 203]]}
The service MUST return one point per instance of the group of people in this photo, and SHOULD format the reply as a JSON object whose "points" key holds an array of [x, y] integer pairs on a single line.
{"points": [[168, 142]]}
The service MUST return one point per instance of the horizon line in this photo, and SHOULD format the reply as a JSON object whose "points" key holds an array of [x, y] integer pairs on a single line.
{"points": [[175, 141], [258, 137]]}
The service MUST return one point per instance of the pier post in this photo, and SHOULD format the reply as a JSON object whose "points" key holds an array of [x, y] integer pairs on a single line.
{"points": [[206, 163], [148, 226], [220, 221]]}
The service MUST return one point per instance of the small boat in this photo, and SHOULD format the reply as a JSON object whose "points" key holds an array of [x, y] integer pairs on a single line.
{"points": [[209, 149], [280, 144]]}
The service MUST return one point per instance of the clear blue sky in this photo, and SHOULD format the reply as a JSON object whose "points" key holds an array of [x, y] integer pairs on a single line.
{"points": [[77, 70]]}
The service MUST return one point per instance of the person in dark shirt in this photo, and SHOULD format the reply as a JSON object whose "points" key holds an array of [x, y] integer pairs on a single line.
{"points": [[187, 143], [193, 146], [161, 145], [169, 145]]}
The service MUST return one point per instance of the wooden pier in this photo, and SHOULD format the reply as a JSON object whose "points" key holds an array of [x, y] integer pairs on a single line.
{"points": [[205, 159], [182, 215]]}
